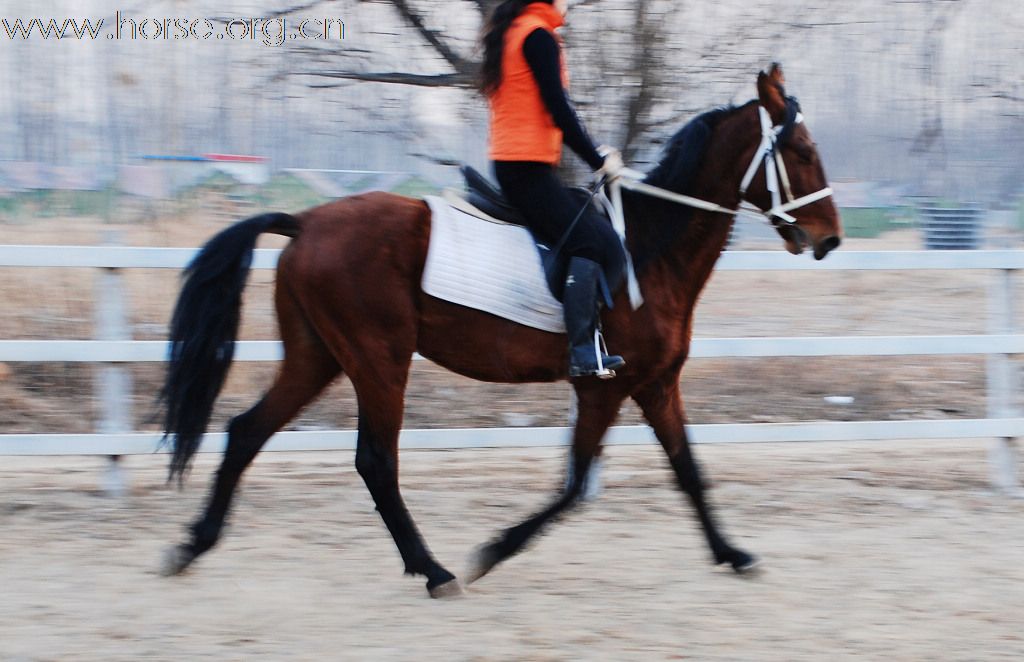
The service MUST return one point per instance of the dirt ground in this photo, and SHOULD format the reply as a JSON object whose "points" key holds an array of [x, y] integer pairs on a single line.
{"points": [[893, 551], [872, 551]]}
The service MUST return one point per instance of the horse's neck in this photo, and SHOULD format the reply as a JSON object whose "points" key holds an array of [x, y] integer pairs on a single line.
{"points": [[683, 261], [683, 269]]}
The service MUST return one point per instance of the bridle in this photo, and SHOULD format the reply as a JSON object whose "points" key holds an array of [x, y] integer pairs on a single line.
{"points": [[766, 154], [775, 172]]}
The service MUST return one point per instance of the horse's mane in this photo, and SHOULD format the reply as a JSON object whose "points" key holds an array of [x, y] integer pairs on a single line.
{"points": [[676, 171], [684, 151]]}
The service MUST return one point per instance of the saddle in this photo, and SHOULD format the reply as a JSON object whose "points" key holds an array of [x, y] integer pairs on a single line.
{"points": [[488, 198]]}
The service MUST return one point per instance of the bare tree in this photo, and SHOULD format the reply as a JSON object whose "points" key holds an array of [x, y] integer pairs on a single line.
{"points": [[460, 70], [648, 68]]}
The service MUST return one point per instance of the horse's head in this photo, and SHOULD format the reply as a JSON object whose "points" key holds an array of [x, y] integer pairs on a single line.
{"points": [[786, 179]]}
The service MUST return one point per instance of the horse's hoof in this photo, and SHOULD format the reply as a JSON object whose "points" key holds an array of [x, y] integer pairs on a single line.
{"points": [[483, 561], [450, 589], [175, 560], [747, 567], [741, 562]]}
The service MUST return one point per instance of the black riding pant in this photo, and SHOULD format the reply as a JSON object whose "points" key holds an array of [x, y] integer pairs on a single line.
{"points": [[534, 189]]}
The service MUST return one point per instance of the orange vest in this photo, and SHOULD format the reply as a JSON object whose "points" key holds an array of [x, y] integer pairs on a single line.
{"points": [[522, 129]]}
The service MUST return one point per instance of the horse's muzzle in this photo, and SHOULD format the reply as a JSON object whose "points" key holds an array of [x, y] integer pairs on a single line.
{"points": [[826, 246]]}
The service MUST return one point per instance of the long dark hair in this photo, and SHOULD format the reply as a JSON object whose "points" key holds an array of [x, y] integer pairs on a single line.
{"points": [[493, 41]]}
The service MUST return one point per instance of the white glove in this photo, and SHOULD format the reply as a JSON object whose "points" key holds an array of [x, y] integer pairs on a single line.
{"points": [[613, 165]]}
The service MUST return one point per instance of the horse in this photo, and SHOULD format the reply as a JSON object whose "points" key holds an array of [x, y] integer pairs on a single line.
{"points": [[349, 302]]}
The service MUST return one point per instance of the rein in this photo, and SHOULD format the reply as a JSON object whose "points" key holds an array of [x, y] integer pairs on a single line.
{"points": [[767, 153]]}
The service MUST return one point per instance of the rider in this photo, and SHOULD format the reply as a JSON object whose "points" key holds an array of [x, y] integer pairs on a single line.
{"points": [[524, 78]]}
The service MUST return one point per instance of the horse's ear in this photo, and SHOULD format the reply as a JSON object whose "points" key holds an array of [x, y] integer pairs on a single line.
{"points": [[772, 92]]}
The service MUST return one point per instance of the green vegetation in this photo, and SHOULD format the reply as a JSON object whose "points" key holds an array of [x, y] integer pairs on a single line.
{"points": [[868, 222], [415, 187], [284, 191], [288, 193], [47, 203]]}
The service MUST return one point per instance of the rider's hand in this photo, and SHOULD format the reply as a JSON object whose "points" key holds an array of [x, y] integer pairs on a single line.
{"points": [[613, 165]]}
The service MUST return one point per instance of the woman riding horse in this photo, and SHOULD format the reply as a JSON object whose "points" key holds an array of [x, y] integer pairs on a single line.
{"points": [[350, 301], [523, 77]]}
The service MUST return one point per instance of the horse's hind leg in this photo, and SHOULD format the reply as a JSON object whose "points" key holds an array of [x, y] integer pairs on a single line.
{"points": [[597, 410], [307, 368], [663, 408], [381, 398]]}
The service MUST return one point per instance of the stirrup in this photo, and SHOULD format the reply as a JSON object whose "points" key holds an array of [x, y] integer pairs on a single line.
{"points": [[602, 351], [600, 354]]}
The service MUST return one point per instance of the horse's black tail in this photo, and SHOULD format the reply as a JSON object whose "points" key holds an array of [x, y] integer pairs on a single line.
{"points": [[204, 327]]}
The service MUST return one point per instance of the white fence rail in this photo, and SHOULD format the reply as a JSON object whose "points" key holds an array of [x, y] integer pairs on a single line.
{"points": [[1002, 342], [154, 351], [130, 257], [449, 438]]}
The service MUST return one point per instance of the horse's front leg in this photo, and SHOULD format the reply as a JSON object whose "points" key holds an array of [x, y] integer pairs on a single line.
{"points": [[598, 407], [663, 408]]}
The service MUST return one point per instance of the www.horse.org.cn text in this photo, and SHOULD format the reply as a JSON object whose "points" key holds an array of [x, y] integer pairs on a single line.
{"points": [[268, 31]]}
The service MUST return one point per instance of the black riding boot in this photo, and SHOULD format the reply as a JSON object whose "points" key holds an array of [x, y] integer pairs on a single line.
{"points": [[586, 351]]}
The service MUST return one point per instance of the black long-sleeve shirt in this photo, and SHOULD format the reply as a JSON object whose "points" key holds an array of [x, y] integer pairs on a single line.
{"points": [[542, 54]]}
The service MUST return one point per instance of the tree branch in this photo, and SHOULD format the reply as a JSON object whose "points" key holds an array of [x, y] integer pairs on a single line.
{"points": [[1006, 96], [421, 80], [459, 63], [290, 10], [650, 39]]}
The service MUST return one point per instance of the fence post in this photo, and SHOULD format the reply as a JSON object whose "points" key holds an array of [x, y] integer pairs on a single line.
{"points": [[114, 385], [1002, 384]]}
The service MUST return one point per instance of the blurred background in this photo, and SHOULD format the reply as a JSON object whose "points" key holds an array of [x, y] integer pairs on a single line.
{"points": [[905, 98], [170, 120]]}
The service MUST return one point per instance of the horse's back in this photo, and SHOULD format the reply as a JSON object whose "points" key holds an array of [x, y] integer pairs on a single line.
{"points": [[356, 269], [360, 237]]}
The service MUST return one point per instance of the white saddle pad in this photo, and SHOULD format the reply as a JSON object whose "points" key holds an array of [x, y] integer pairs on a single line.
{"points": [[489, 265]]}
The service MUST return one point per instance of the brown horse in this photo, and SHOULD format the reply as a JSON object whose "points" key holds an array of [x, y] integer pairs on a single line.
{"points": [[349, 301]]}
